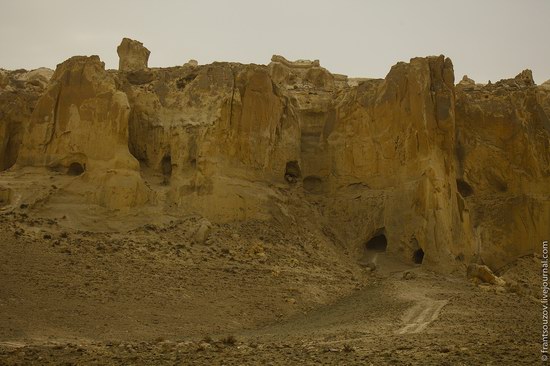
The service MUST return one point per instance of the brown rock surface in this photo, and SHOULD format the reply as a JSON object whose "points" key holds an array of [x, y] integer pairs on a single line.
{"points": [[227, 132], [133, 55], [503, 166], [437, 169], [80, 125], [276, 202], [19, 92], [484, 274]]}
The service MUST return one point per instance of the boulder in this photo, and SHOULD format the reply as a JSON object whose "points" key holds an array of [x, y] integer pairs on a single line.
{"points": [[133, 56], [191, 63], [484, 274], [466, 82], [203, 231]]}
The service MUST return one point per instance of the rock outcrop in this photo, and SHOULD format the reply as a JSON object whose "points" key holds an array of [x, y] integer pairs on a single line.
{"points": [[80, 125], [133, 56], [447, 174], [466, 83], [482, 273], [503, 165], [19, 92]]}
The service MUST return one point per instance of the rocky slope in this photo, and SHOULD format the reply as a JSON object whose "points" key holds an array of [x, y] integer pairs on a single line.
{"points": [[447, 174]]}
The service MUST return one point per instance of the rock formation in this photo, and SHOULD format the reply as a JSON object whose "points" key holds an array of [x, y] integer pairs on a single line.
{"points": [[503, 165], [448, 174], [80, 125], [483, 273], [133, 56], [19, 92]]}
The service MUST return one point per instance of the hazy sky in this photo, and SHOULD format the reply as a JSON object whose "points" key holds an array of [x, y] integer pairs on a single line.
{"points": [[486, 39]]}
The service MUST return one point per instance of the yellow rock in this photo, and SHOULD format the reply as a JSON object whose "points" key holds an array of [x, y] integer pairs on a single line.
{"points": [[459, 173]]}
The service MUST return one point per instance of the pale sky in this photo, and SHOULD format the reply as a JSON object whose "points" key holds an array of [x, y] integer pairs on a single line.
{"points": [[486, 39]]}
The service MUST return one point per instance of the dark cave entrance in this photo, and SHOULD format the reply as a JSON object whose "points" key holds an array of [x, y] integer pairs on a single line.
{"points": [[75, 169], [464, 188], [377, 243], [418, 256], [166, 166], [292, 171]]}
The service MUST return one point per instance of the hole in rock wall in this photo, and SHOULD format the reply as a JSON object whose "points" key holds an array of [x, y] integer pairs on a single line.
{"points": [[143, 163], [464, 188], [292, 171], [378, 243], [166, 166], [11, 152], [75, 169], [418, 256]]}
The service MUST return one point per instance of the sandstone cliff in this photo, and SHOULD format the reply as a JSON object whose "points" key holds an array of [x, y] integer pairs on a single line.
{"points": [[19, 92], [80, 124], [503, 165], [454, 174]]}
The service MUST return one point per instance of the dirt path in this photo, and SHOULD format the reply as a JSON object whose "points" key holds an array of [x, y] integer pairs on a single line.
{"points": [[418, 317]]}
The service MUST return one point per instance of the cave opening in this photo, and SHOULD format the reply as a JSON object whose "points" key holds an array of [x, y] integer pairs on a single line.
{"points": [[377, 243], [292, 171], [11, 150], [166, 166], [75, 169], [418, 256], [464, 188]]}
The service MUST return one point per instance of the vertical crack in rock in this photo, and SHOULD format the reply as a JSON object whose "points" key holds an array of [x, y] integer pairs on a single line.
{"points": [[55, 118], [232, 95]]}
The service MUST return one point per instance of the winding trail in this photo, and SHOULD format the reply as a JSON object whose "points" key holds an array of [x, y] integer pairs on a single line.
{"points": [[418, 317], [388, 306]]}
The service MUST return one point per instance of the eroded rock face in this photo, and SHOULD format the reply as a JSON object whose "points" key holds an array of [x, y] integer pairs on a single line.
{"points": [[80, 125], [503, 165], [383, 156], [447, 174], [19, 92], [391, 148], [221, 127], [81, 118], [133, 56]]}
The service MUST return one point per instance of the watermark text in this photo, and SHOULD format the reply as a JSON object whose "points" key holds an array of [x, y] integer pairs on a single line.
{"points": [[544, 301]]}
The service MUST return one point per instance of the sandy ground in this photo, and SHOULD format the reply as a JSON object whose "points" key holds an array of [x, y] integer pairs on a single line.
{"points": [[253, 293]]}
